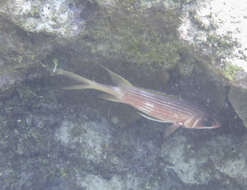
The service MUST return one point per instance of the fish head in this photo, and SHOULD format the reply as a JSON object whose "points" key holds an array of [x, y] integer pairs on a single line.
{"points": [[207, 123]]}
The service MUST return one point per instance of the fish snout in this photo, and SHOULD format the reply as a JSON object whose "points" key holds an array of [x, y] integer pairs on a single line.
{"points": [[208, 123]]}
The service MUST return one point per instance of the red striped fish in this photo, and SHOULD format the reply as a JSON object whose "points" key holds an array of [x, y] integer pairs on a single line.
{"points": [[152, 105]]}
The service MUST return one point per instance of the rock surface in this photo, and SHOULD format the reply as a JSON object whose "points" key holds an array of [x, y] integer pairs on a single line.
{"points": [[219, 27], [76, 148], [237, 96], [60, 18]]}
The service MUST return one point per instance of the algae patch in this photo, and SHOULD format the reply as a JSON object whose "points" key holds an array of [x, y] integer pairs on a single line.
{"points": [[141, 36], [230, 71]]}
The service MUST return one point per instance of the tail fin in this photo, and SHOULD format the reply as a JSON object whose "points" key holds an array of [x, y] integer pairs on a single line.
{"points": [[116, 78], [75, 77], [87, 84]]}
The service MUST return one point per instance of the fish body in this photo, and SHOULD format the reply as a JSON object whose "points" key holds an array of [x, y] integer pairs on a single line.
{"points": [[160, 107], [152, 105]]}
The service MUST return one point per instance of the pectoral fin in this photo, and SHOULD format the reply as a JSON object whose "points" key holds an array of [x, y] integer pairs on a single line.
{"points": [[170, 129]]}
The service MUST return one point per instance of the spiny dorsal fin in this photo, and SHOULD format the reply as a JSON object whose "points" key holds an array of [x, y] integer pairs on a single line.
{"points": [[159, 93], [117, 79]]}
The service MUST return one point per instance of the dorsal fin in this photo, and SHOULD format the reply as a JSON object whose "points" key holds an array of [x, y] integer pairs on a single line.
{"points": [[159, 93], [117, 79]]}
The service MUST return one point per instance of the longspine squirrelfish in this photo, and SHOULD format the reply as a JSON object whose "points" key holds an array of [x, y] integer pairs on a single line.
{"points": [[152, 105]]}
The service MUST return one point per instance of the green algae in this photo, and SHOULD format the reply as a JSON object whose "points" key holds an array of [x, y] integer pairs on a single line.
{"points": [[230, 71], [140, 36]]}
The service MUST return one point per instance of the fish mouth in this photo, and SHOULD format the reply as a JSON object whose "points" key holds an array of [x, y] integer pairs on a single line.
{"points": [[216, 125], [208, 124]]}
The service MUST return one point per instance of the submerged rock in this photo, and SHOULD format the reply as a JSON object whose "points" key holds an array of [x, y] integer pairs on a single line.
{"points": [[218, 159], [61, 18], [238, 99], [75, 147], [218, 29]]}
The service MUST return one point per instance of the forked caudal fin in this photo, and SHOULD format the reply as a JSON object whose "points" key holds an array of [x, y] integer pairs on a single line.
{"points": [[76, 77], [117, 79], [86, 83]]}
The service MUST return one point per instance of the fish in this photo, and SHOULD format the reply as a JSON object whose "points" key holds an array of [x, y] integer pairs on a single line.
{"points": [[153, 105]]}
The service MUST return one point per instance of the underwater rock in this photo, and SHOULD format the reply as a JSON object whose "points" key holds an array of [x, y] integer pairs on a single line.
{"points": [[209, 160], [74, 147], [9, 79], [19, 51], [61, 18], [91, 138], [217, 28], [238, 99]]}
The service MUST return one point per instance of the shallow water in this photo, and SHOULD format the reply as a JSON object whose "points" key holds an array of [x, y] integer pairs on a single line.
{"points": [[56, 139]]}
